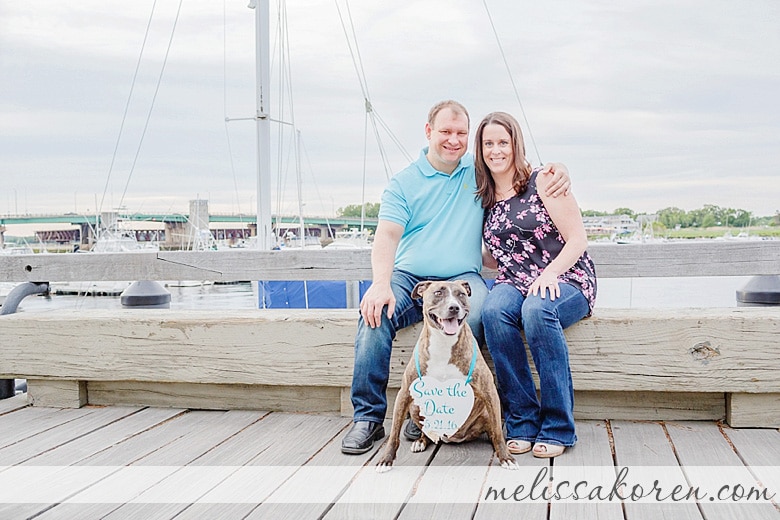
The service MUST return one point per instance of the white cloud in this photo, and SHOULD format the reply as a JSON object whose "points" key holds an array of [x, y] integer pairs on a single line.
{"points": [[650, 104]]}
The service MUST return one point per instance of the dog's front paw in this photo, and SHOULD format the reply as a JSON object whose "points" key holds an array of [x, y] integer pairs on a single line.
{"points": [[509, 463], [383, 466], [419, 445]]}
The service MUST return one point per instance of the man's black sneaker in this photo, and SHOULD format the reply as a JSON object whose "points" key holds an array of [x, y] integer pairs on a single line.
{"points": [[412, 432]]}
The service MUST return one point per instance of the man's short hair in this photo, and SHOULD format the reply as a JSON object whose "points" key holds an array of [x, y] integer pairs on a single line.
{"points": [[452, 105]]}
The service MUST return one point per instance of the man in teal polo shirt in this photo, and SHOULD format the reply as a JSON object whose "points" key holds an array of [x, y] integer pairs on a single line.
{"points": [[430, 228]]}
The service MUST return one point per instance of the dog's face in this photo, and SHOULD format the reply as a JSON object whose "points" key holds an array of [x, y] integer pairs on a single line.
{"points": [[445, 304]]}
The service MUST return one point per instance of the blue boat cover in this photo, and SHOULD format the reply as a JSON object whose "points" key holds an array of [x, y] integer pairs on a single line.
{"points": [[311, 294]]}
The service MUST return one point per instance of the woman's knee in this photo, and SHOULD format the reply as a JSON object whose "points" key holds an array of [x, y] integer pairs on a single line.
{"points": [[536, 308], [562, 312]]}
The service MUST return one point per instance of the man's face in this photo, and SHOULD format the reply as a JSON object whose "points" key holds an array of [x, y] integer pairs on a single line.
{"points": [[448, 139]]}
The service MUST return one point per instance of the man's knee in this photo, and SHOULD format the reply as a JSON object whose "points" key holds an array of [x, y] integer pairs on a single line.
{"points": [[374, 340]]}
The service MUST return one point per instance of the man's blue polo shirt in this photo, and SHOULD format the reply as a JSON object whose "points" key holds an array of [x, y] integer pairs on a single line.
{"points": [[441, 217]]}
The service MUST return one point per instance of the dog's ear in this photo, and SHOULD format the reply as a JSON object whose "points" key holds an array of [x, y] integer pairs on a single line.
{"points": [[419, 289], [466, 286]]}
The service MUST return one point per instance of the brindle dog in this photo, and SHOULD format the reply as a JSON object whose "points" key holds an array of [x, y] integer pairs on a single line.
{"points": [[445, 349]]}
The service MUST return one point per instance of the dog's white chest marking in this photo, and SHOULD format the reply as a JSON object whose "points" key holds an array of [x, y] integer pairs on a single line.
{"points": [[439, 351]]}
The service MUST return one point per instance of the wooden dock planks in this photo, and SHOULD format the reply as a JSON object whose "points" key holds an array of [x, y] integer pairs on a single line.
{"points": [[704, 451], [592, 454], [292, 452], [642, 446]]}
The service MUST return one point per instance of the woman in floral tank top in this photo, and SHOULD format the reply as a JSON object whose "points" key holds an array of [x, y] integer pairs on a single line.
{"points": [[546, 282]]}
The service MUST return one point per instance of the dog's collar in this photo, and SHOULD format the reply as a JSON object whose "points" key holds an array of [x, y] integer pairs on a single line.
{"points": [[471, 367]]}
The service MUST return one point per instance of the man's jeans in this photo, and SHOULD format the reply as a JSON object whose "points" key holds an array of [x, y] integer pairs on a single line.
{"points": [[505, 309], [373, 346]]}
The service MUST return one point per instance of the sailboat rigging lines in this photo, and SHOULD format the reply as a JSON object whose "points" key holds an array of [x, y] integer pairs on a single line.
{"points": [[371, 113], [512, 80], [151, 106], [288, 144]]}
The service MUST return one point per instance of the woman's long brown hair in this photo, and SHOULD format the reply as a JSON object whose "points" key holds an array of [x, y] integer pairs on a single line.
{"points": [[486, 187]]}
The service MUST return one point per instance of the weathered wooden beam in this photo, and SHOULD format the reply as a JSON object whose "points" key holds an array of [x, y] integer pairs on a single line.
{"points": [[56, 393], [703, 350], [216, 396], [649, 406], [635, 406], [186, 265], [753, 410], [683, 258], [687, 258]]}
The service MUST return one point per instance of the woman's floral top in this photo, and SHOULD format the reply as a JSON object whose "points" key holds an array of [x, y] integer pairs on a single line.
{"points": [[521, 236]]}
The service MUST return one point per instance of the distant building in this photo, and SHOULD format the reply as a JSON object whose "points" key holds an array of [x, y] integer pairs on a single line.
{"points": [[610, 225]]}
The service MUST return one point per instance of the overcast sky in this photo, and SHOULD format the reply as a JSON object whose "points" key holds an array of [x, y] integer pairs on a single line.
{"points": [[650, 104]]}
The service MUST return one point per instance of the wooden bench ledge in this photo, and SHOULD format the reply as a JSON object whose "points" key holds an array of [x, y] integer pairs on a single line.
{"points": [[724, 350], [729, 350]]}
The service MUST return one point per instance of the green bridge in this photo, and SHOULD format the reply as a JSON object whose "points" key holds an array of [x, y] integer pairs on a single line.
{"points": [[178, 228], [286, 220]]}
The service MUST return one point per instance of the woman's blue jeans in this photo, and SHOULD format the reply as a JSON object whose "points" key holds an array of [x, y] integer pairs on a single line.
{"points": [[505, 312], [374, 345]]}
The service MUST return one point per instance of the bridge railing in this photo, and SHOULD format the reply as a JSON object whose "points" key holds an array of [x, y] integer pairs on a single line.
{"points": [[669, 259]]}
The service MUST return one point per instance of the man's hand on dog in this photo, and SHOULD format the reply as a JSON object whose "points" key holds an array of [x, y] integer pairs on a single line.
{"points": [[374, 301]]}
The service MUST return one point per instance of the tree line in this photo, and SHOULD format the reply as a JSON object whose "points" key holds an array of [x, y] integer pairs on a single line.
{"points": [[354, 210], [672, 218], [710, 215]]}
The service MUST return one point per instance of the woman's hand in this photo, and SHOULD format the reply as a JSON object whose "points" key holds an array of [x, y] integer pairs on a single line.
{"points": [[544, 283]]}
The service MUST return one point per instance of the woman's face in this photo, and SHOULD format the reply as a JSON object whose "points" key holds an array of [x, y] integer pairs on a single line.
{"points": [[497, 150]]}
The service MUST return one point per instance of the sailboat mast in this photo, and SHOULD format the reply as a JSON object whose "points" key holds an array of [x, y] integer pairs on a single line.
{"points": [[263, 119], [298, 180]]}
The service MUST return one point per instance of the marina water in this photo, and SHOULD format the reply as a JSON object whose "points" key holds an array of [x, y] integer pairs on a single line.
{"points": [[707, 291]]}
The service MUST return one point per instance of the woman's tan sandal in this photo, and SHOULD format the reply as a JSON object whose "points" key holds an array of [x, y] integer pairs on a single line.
{"points": [[547, 451], [518, 447]]}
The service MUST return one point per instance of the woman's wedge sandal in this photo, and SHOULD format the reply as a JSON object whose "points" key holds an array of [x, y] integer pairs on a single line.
{"points": [[547, 451], [518, 447]]}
